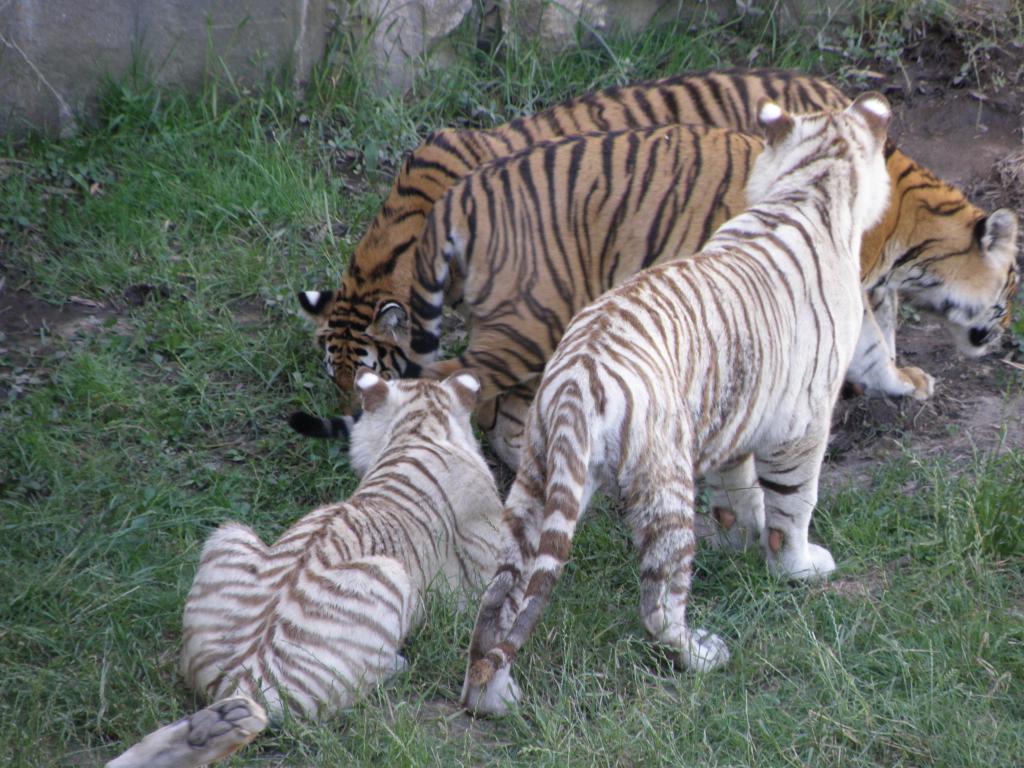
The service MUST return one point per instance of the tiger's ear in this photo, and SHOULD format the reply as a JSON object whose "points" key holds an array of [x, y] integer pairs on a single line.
{"points": [[997, 235], [373, 390], [775, 122], [315, 303], [875, 110], [466, 388], [389, 320]]}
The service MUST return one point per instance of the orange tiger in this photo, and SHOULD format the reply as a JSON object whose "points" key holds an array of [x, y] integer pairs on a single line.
{"points": [[933, 246]]}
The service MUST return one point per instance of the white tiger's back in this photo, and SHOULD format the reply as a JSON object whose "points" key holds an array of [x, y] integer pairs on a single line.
{"points": [[318, 618], [731, 359], [294, 617], [320, 615]]}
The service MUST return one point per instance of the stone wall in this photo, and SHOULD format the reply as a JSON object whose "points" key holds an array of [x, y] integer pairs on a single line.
{"points": [[56, 54]]}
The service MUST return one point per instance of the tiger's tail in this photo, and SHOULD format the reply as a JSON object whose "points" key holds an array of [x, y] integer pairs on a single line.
{"points": [[556, 496], [334, 428]]}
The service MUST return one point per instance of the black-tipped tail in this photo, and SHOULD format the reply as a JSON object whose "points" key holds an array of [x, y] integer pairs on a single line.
{"points": [[336, 427]]}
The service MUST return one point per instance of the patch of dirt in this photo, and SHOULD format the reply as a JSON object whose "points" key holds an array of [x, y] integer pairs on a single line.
{"points": [[33, 331], [456, 723], [960, 115], [869, 585], [977, 407]]}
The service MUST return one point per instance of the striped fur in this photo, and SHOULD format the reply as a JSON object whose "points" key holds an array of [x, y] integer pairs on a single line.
{"points": [[319, 617], [732, 357], [525, 242], [929, 247], [365, 321]]}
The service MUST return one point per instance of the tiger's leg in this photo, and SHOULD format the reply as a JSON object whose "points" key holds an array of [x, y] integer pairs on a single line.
{"points": [[505, 432], [789, 476], [660, 513], [873, 367], [885, 306], [434, 284], [208, 735], [737, 506]]}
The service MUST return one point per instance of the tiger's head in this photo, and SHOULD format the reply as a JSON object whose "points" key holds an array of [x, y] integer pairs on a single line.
{"points": [[354, 331], [432, 411], [958, 264]]}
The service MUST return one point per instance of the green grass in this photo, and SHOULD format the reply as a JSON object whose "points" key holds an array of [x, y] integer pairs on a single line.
{"points": [[144, 435]]}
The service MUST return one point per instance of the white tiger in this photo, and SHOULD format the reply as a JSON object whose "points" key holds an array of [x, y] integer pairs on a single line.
{"points": [[732, 358], [319, 617]]}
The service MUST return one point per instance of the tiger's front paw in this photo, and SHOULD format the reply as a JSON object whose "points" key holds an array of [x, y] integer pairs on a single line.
{"points": [[923, 383], [703, 651], [495, 698]]}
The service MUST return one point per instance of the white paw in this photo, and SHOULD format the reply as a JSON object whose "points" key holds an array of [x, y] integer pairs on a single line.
{"points": [[817, 564], [923, 383], [703, 651], [496, 698], [821, 565], [401, 664], [906, 382]]}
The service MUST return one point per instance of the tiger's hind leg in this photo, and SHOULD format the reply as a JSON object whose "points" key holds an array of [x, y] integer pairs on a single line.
{"points": [[209, 735], [736, 507], [660, 512], [494, 619], [789, 476]]}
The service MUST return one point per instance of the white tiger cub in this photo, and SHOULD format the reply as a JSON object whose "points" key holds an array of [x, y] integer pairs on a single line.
{"points": [[319, 617], [733, 356]]}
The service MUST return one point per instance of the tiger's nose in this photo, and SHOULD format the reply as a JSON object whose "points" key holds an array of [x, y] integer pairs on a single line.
{"points": [[979, 336]]}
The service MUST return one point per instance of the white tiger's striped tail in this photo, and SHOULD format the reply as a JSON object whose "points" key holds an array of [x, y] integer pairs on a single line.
{"points": [[541, 558]]}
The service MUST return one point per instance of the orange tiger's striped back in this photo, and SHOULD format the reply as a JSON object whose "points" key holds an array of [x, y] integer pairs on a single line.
{"points": [[354, 324], [934, 247]]}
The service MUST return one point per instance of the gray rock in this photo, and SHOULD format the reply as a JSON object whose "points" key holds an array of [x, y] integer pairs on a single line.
{"points": [[409, 35]]}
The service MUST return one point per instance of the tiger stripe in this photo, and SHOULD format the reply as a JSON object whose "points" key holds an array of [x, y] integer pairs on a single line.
{"points": [[524, 267], [317, 619], [927, 221]]}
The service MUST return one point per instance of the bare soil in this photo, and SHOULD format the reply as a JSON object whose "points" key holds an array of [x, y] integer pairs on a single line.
{"points": [[973, 137], [33, 333]]}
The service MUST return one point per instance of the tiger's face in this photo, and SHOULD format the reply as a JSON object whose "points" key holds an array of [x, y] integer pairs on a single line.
{"points": [[970, 289], [353, 332]]}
